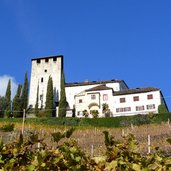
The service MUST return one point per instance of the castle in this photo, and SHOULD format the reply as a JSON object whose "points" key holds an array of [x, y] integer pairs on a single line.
{"points": [[103, 98]]}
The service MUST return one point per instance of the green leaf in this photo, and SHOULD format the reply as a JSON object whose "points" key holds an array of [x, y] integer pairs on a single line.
{"points": [[31, 168], [112, 165], [69, 132], [136, 167], [57, 136]]}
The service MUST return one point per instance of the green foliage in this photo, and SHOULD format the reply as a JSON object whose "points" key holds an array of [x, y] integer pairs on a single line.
{"points": [[37, 102], [17, 108], [34, 154], [3, 105], [26, 155], [162, 109], [57, 136], [85, 113], [8, 99], [24, 96], [112, 122], [95, 113], [63, 104], [49, 98], [8, 127], [108, 139], [125, 156]]}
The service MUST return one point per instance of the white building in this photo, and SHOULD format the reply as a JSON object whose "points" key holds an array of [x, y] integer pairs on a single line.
{"points": [[111, 97], [72, 89], [119, 99], [42, 69]]}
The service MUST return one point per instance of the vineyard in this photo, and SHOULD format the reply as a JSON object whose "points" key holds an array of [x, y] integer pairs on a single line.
{"points": [[64, 148]]}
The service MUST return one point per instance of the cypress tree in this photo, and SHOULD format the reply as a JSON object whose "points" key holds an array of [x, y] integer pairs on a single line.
{"points": [[49, 98], [8, 99], [17, 103], [63, 104], [37, 102], [24, 96], [3, 105]]}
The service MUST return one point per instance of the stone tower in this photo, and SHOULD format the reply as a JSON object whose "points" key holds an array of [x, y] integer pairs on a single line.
{"points": [[42, 68]]}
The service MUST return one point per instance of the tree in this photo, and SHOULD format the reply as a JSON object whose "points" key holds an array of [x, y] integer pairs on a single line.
{"points": [[37, 102], [3, 105], [8, 99], [17, 110], [63, 104], [162, 109], [24, 96], [49, 98]]}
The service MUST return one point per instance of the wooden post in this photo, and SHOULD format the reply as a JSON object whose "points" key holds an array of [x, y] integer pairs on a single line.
{"points": [[95, 132], [168, 122], [24, 115], [92, 150], [123, 132], [132, 126], [149, 144]]}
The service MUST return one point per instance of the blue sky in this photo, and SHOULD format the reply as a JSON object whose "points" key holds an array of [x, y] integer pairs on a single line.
{"points": [[100, 39]]}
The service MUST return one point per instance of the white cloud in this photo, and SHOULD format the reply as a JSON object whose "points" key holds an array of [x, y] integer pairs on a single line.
{"points": [[3, 85]]}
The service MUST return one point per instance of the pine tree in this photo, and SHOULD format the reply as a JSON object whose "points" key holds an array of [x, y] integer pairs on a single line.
{"points": [[63, 104], [37, 102], [8, 99], [24, 96], [17, 103], [49, 98]]}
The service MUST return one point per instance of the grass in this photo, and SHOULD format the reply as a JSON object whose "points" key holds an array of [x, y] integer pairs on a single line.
{"points": [[114, 122]]}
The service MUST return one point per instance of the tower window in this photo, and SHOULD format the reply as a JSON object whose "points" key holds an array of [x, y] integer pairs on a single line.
{"points": [[45, 70], [54, 59], [42, 80], [47, 60], [38, 61]]}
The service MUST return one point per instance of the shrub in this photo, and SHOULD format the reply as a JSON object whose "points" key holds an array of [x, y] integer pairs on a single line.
{"points": [[95, 113], [8, 127], [162, 109]]}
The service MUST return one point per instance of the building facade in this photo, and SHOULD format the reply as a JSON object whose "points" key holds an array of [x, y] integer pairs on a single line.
{"points": [[113, 98], [89, 99], [42, 69]]}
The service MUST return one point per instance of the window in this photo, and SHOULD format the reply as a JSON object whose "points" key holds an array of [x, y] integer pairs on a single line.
{"points": [[79, 113], [150, 96], [38, 61], [46, 60], [123, 109], [93, 97], [122, 100], [139, 108], [151, 106], [136, 98], [42, 80], [41, 97], [105, 97], [45, 70], [54, 59], [80, 101]]}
